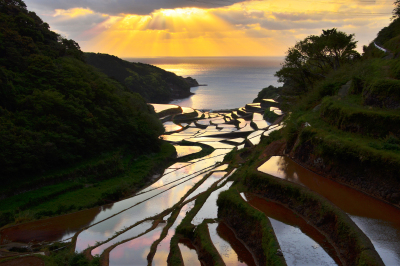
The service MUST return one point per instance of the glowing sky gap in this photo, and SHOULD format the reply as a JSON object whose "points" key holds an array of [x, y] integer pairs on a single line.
{"points": [[247, 28]]}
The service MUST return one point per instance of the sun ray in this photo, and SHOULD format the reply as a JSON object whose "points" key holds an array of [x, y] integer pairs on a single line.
{"points": [[249, 28]]}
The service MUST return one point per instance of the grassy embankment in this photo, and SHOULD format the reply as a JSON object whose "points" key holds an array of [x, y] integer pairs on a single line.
{"points": [[186, 230], [354, 130], [251, 226], [352, 245]]}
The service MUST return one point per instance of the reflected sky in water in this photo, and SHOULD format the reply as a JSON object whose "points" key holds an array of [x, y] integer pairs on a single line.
{"points": [[378, 220]]}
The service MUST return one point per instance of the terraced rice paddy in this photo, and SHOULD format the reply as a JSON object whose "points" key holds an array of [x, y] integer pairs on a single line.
{"points": [[145, 228]]}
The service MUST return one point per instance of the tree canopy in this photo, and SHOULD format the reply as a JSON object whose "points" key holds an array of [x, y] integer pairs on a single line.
{"points": [[312, 58], [396, 10], [152, 83], [55, 109]]}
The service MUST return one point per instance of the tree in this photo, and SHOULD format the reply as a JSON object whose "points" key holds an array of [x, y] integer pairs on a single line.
{"points": [[396, 10], [315, 56]]}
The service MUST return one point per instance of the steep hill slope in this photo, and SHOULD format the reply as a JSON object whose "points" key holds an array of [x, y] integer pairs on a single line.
{"points": [[55, 109]]}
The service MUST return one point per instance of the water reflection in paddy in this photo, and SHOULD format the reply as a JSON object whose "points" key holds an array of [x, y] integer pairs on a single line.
{"points": [[171, 127], [185, 172], [134, 252], [152, 201], [150, 207], [162, 107], [378, 220], [161, 256], [217, 155], [204, 139], [134, 232], [189, 255], [217, 176], [163, 194], [301, 243], [230, 255], [210, 208], [218, 145]]}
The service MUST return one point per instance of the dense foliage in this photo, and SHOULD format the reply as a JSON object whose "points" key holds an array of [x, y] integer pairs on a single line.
{"points": [[54, 108], [396, 10], [154, 84], [389, 32], [270, 92], [312, 58]]}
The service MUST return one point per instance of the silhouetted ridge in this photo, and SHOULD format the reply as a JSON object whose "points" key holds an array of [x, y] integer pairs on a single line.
{"points": [[153, 83]]}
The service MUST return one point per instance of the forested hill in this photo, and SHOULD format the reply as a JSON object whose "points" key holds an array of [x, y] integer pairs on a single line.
{"points": [[345, 108], [154, 84], [55, 109]]}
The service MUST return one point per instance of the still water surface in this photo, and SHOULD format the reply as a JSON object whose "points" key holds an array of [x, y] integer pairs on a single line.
{"points": [[232, 81], [378, 220]]}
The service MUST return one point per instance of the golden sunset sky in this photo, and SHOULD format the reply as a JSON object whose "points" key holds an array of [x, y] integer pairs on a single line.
{"points": [[160, 28]]}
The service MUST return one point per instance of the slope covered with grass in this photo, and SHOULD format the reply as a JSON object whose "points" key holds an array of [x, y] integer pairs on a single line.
{"points": [[346, 125]]}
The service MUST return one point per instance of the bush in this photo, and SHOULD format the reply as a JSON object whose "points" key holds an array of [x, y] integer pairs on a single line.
{"points": [[383, 93]]}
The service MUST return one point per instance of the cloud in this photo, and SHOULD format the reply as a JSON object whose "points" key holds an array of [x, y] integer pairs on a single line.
{"points": [[223, 27], [115, 7], [78, 23]]}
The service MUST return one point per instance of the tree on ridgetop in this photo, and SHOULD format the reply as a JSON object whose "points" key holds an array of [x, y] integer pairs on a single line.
{"points": [[396, 10], [312, 58]]}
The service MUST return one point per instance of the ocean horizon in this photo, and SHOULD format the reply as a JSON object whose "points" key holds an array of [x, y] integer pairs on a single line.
{"points": [[231, 81]]}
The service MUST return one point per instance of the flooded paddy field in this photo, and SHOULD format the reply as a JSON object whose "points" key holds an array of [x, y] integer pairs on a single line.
{"points": [[175, 220]]}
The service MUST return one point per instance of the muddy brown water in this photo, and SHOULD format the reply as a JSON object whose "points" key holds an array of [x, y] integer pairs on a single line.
{"points": [[300, 242], [378, 220], [122, 225], [51, 229]]}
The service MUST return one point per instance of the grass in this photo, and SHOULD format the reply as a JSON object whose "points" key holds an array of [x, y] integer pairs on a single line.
{"points": [[270, 115], [347, 115], [83, 193], [252, 227], [203, 240], [353, 244], [102, 167]]}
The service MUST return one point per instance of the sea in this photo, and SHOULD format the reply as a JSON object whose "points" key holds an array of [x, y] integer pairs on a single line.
{"points": [[231, 81]]}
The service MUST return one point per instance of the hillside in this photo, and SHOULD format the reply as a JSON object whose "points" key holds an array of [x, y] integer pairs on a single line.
{"points": [[345, 125], [66, 129], [152, 83]]}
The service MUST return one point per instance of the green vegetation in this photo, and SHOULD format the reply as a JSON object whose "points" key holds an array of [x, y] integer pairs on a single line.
{"points": [[67, 258], [209, 253], [152, 83], [270, 115], [346, 114], [251, 226], [353, 244], [352, 117], [355, 248], [55, 110], [86, 191], [71, 137], [312, 58], [269, 92]]}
